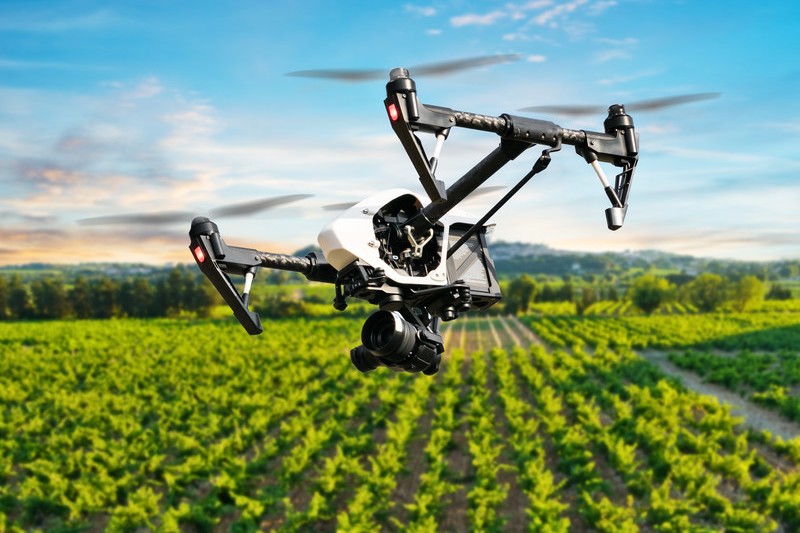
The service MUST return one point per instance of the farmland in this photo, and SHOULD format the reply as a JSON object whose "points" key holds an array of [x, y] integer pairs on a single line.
{"points": [[538, 423]]}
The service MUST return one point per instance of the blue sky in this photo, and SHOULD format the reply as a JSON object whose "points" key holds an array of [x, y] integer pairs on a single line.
{"points": [[109, 108]]}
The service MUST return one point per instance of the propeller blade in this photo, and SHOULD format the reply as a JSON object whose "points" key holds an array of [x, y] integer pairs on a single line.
{"points": [[654, 104], [480, 191], [429, 69], [340, 74], [249, 208], [175, 217], [169, 217], [669, 101], [339, 207], [447, 67], [566, 110], [477, 192]]}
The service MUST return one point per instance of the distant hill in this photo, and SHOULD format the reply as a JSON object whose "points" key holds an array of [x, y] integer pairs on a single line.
{"points": [[515, 258], [86, 270]]}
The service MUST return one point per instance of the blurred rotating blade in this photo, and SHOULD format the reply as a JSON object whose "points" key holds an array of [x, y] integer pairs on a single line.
{"points": [[480, 191], [343, 206], [339, 207], [448, 67], [428, 69], [654, 104], [167, 217], [174, 217], [256, 206]]}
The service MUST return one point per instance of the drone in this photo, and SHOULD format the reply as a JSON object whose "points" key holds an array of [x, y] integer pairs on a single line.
{"points": [[419, 259]]}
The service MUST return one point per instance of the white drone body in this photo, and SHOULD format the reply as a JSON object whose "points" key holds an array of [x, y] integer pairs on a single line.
{"points": [[351, 237]]}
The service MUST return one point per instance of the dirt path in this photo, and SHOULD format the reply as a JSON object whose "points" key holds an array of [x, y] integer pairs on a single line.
{"points": [[755, 416]]}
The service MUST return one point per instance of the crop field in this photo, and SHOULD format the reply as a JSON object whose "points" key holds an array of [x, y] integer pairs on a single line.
{"points": [[538, 423]]}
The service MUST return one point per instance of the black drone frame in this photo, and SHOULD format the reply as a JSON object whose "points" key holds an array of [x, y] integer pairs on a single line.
{"points": [[617, 145]]}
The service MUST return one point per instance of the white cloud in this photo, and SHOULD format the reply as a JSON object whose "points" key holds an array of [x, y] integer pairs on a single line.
{"points": [[433, 31], [605, 56], [536, 4], [549, 17], [788, 127], [189, 124], [598, 7], [147, 88], [473, 19], [424, 11], [536, 58], [627, 41]]}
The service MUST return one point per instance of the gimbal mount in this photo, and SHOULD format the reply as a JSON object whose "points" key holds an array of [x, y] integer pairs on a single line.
{"points": [[421, 266]]}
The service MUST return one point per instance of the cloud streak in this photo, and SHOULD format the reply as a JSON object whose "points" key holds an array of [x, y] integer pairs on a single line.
{"points": [[475, 19], [423, 11], [29, 21]]}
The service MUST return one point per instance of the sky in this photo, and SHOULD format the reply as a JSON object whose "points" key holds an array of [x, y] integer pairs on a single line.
{"points": [[111, 108]]}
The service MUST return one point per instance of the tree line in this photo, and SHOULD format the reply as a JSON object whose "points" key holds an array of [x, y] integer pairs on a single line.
{"points": [[706, 292], [182, 291], [178, 292]]}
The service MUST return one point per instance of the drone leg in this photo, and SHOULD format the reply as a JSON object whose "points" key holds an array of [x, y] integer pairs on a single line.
{"points": [[248, 284]]}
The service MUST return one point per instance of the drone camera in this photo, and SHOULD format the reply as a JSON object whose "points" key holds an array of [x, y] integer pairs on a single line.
{"points": [[388, 339]]}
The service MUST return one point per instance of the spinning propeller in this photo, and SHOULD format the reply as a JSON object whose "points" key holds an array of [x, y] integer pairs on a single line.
{"points": [[654, 104], [429, 69], [171, 217], [480, 191]]}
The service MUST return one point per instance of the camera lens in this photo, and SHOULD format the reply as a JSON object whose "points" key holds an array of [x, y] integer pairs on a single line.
{"points": [[386, 334]]}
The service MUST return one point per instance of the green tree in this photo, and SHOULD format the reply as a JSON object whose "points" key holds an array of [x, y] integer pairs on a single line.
{"points": [[588, 297], [50, 298], [80, 298], [547, 294], [3, 298], [20, 303], [199, 296], [521, 292], [170, 293], [707, 291], [648, 292], [567, 291], [611, 294], [103, 298], [136, 298], [778, 292], [748, 290]]}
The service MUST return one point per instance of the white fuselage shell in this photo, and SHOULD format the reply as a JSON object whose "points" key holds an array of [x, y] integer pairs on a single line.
{"points": [[351, 236]]}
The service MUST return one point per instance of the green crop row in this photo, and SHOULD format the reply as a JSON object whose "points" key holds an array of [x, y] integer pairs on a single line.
{"points": [[164, 425], [731, 331]]}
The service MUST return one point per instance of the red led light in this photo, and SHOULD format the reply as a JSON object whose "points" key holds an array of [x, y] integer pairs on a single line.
{"points": [[198, 253], [393, 113]]}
